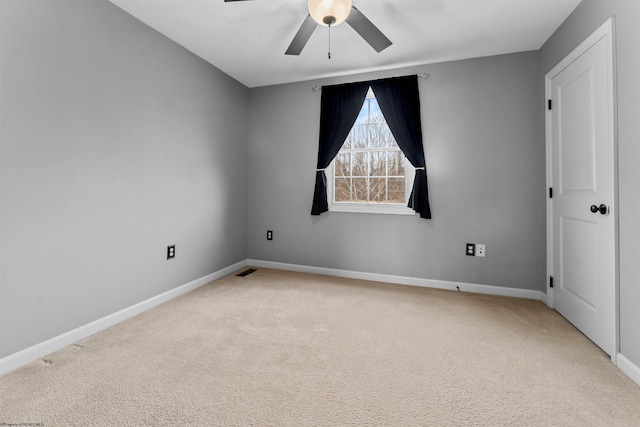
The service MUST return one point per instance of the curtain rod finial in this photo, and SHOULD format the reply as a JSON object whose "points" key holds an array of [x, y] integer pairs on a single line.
{"points": [[424, 75], [315, 88]]}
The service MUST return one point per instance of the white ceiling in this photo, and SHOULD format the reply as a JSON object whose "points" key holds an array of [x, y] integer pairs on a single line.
{"points": [[247, 39]]}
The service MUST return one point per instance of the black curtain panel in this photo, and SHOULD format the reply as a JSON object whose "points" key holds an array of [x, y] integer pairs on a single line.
{"points": [[339, 108], [399, 101]]}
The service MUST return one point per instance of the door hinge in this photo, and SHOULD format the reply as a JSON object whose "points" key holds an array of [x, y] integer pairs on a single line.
{"points": [[551, 192], [548, 104], [551, 281]]}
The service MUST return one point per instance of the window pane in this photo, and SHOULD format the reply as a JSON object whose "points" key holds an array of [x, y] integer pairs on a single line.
{"points": [[342, 190], [370, 136], [377, 136], [378, 163], [359, 164], [387, 137], [343, 164], [359, 136], [359, 190], [378, 190], [375, 114], [348, 141], [363, 116], [396, 190], [396, 163]]}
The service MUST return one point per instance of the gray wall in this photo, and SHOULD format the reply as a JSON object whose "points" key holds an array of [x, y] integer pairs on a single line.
{"points": [[588, 16], [484, 143], [115, 142]]}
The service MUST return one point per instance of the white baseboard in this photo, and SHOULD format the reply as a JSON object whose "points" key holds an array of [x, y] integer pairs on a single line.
{"points": [[628, 367], [402, 280], [40, 350], [21, 358]]}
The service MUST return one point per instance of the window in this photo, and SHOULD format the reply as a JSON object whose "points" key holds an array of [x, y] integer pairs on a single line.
{"points": [[340, 106], [370, 173]]}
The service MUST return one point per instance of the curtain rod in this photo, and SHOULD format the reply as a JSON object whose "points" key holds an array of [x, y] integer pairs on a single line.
{"points": [[424, 75]]}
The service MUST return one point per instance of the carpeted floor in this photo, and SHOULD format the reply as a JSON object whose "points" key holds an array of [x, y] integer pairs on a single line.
{"points": [[287, 349]]}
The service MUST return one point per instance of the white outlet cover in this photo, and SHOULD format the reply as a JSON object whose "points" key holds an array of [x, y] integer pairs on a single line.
{"points": [[480, 250]]}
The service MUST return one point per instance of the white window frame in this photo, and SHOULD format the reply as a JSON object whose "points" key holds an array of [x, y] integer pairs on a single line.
{"points": [[375, 208]]}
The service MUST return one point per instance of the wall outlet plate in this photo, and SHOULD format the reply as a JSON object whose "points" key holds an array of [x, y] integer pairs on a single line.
{"points": [[171, 252], [269, 234], [480, 249], [471, 249]]}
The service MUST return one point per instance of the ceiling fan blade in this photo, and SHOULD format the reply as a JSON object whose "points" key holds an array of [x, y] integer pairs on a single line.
{"points": [[369, 32], [302, 36]]}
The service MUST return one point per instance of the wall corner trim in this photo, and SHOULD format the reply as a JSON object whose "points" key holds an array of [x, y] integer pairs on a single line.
{"points": [[403, 280], [628, 367], [23, 357]]}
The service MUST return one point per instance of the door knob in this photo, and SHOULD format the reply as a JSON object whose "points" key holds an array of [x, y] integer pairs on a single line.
{"points": [[602, 209]]}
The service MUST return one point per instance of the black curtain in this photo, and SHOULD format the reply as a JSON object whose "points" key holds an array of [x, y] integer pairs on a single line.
{"points": [[399, 102], [339, 108]]}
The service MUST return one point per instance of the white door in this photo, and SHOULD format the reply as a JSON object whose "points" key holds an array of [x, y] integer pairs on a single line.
{"points": [[580, 128]]}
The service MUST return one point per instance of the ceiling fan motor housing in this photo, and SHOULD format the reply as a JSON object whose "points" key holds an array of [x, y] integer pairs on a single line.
{"points": [[329, 12], [329, 20]]}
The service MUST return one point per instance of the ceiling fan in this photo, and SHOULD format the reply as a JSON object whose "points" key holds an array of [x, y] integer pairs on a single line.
{"points": [[331, 13]]}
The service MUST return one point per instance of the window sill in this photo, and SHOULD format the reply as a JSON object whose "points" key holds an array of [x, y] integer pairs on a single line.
{"points": [[369, 208]]}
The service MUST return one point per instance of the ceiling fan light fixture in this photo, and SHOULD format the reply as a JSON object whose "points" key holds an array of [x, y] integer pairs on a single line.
{"points": [[329, 12]]}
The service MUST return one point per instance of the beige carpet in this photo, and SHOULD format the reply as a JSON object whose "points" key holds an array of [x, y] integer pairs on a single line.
{"points": [[287, 349]]}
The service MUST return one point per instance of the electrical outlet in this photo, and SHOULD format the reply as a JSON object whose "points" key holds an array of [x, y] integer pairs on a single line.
{"points": [[480, 249], [471, 249], [171, 252], [269, 235]]}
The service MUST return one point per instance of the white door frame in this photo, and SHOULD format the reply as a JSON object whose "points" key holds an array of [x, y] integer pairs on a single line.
{"points": [[606, 31]]}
